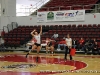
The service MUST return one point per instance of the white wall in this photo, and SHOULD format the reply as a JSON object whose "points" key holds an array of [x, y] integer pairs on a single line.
{"points": [[0, 14], [11, 7], [10, 12], [89, 19]]}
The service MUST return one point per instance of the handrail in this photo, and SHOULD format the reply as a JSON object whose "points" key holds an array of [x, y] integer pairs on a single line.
{"points": [[14, 24], [4, 28], [37, 4], [63, 6], [70, 6], [74, 5], [10, 27]]}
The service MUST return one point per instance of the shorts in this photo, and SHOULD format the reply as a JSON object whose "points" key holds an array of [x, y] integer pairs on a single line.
{"points": [[49, 44], [37, 44]]}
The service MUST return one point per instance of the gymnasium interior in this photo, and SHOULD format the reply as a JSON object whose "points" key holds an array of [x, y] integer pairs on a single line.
{"points": [[78, 18]]}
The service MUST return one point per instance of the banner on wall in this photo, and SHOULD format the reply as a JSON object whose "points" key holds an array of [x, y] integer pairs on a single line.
{"points": [[70, 15], [41, 16]]}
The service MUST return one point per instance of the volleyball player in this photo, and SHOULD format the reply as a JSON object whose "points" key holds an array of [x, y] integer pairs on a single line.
{"points": [[30, 43], [68, 46], [49, 46], [37, 44]]}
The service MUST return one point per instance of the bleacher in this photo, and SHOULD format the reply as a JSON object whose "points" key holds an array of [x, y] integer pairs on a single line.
{"points": [[21, 34], [55, 5]]}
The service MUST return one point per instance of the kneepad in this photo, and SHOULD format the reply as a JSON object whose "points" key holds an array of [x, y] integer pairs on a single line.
{"points": [[30, 47]]}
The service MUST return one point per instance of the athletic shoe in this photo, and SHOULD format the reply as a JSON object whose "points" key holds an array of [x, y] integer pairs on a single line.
{"points": [[52, 52], [27, 55], [58, 50]]}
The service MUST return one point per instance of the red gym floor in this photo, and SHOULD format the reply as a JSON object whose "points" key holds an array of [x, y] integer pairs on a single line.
{"points": [[47, 64]]}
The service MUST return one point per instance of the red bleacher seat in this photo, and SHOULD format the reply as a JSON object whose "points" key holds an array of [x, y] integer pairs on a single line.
{"points": [[65, 5], [89, 26], [77, 7], [98, 25], [84, 26], [86, 31], [80, 26], [94, 26]]}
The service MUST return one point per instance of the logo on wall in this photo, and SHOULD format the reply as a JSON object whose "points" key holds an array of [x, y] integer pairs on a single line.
{"points": [[50, 16], [60, 14], [16, 66], [69, 14], [40, 15], [78, 13]]}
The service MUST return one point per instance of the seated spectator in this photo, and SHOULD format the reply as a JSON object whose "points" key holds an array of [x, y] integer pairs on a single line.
{"points": [[55, 36], [61, 43], [81, 43], [50, 46], [74, 43], [88, 45], [45, 42], [94, 40], [95, 49]]}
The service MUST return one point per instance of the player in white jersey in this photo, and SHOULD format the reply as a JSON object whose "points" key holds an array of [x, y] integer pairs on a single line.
{"points": [[37, 44], [68, 46]]}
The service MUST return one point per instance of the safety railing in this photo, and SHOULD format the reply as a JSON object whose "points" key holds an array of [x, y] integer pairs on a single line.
{"points": [[95, 6], [14, 25], [91, 7], [10, 27], [1, 31], [5, 29], [29, 10]]}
